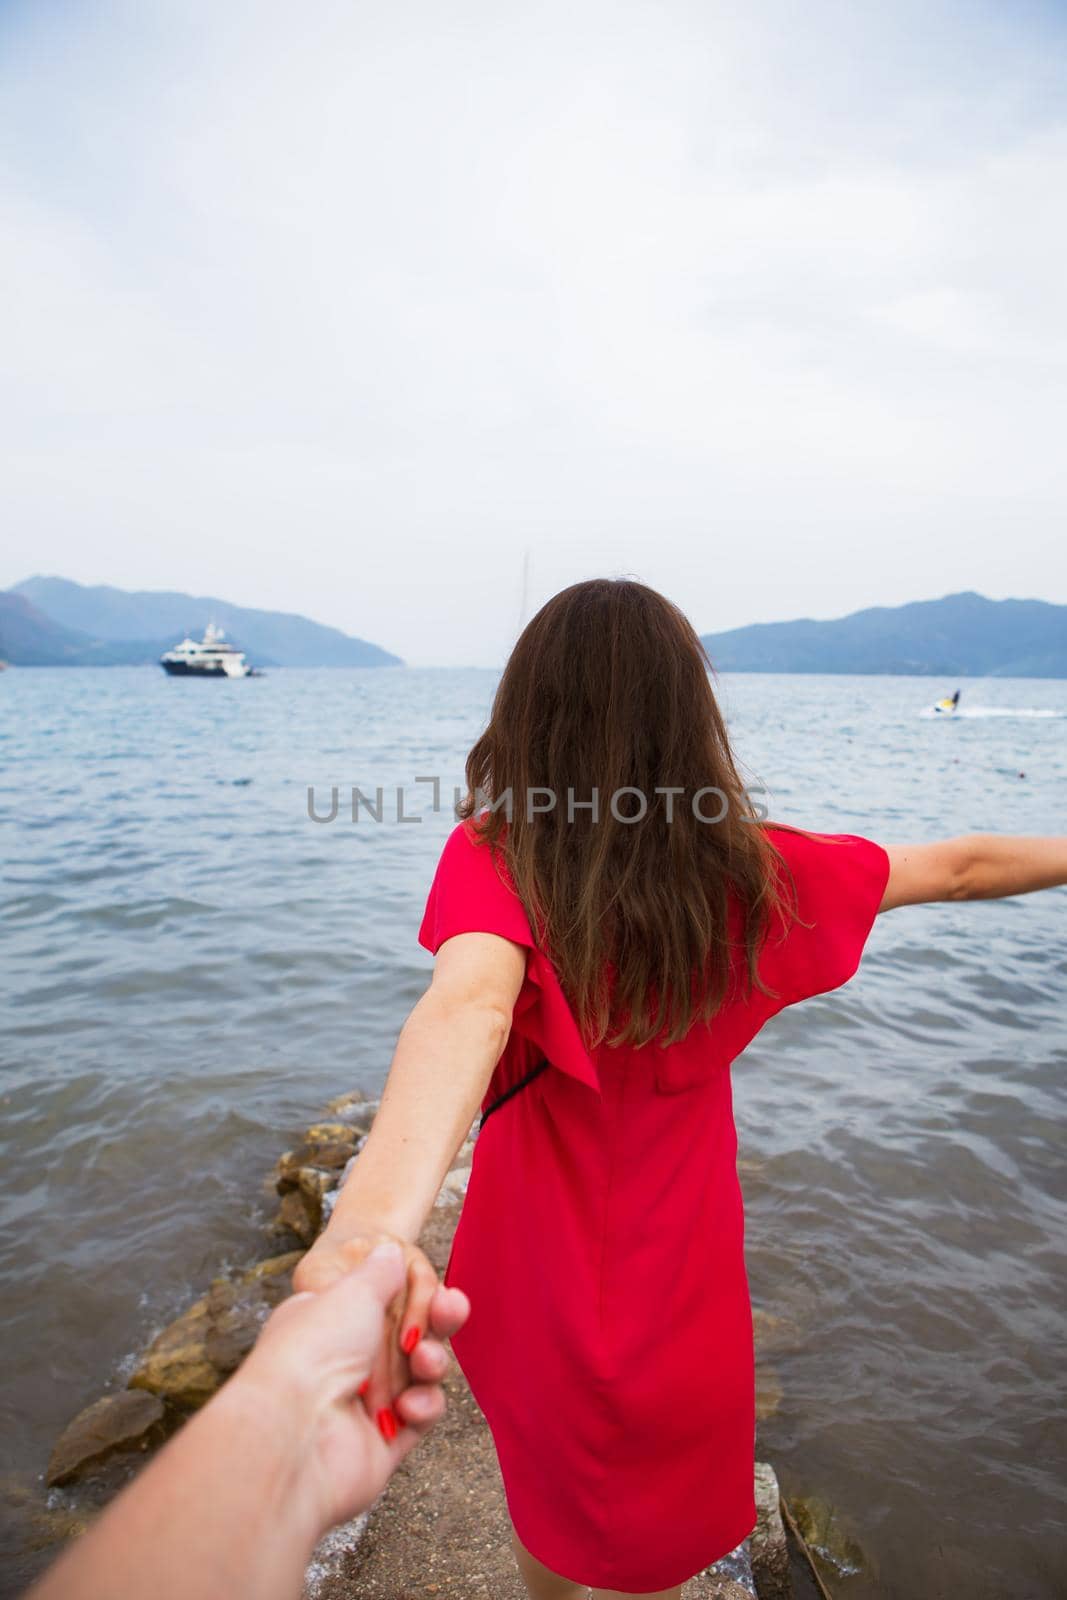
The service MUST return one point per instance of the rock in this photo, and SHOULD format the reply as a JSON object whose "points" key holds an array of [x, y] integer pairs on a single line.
{"points": [[188, 1361], [822, 1531], [18, 1488], [304, 1191], [124, 1421], [314, 1184], [767, 1544], [329, 1154], [733, 1575], [768, 1392], [330, 1197], [43, 1525], [354, 1106], [454, 1186], [52, 1525], [175, 1364], [352, 1101], [772, 1332], [464, 1155], [274, 1267], [328, 1133], [298, 1215], [238, 1308]]}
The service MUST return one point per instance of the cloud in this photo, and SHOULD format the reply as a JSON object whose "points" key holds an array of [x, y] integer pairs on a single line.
{"points": [[344, 316]]}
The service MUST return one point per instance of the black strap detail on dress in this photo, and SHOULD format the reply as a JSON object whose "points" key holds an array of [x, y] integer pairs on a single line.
{"points": [[535, 1072]]}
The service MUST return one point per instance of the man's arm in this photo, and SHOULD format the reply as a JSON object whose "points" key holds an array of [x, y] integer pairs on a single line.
{"points": [[234, 1504], [975, 866], [222, 1510]]}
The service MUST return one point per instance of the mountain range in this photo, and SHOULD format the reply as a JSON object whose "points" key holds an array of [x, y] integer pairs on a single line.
{"points": [[962, 635], [53, 622]]}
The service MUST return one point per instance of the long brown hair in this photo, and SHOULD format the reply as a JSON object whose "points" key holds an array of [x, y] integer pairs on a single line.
{"points": [[608, 689]]}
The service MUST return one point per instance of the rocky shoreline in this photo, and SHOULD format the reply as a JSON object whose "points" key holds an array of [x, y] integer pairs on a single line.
{"points": [[441, 1526]]}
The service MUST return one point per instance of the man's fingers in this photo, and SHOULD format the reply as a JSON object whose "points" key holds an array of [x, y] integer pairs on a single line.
{"points": [[383, 1271], [449, 1310], [421, 1406], [428, 1361]]}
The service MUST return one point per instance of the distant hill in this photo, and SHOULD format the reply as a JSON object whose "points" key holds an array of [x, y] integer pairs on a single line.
{"points": [[30, 639], [94, 619], [963, 635]]}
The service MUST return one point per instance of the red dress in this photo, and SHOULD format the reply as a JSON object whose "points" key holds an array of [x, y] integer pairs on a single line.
{"points": [[601, 1243]]}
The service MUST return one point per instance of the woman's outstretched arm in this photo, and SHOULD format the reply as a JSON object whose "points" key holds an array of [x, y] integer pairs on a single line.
{"points": [[976, 866]]}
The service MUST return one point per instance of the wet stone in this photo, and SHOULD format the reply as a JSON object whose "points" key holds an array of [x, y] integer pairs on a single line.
{"points": [[328, 1155], [825, 1536], [128, 1420], [313, 1183], [768, 1392], [238, 1308], [298, 1215], [188, 1361], [354, 1107], [768, 1547], [176, 1364], [771, 1332]]}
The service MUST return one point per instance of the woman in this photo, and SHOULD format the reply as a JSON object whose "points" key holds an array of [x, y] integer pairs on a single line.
{"points": [[612, 924]]}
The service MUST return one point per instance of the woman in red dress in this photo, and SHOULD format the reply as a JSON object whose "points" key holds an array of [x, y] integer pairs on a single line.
{"points": [[612, 924]]}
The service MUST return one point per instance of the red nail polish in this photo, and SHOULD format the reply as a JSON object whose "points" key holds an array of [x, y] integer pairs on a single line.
{"points": [[410, 1339], [387, 1425], [364, 1386]]}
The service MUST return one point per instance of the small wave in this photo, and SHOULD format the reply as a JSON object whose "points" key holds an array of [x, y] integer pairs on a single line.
{"points": [[991, 711]]}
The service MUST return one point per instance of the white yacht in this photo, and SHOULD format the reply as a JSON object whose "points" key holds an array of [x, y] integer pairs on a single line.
{"points": [[211, 658]]}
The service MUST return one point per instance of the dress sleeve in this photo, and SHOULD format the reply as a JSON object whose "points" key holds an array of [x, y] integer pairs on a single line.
{"points": [[840, 880]]}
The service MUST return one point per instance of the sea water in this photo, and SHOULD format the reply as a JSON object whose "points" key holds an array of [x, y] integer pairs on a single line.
{"points": [[191, 967]]}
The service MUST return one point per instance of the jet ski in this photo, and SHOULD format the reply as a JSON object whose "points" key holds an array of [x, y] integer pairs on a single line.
{"points": [[947, 706]]}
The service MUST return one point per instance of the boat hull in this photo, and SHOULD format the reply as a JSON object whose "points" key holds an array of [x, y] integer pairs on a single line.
{"points": [[185, 669]]}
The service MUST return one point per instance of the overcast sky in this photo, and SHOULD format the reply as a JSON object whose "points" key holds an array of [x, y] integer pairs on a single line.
{"points": [[342, 307]]}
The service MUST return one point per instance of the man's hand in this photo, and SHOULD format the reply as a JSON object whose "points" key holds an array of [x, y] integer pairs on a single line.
{"points": [[235, 1503]]}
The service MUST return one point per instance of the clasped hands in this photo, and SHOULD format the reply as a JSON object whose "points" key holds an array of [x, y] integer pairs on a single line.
{"points": [[357, 1360]]}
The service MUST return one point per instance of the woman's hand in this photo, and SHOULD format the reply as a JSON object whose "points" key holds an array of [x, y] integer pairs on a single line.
{"points": [[407, 1317]]}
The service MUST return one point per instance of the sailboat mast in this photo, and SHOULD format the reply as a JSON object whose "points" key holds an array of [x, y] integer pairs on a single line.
{"points": [[525, 593]]}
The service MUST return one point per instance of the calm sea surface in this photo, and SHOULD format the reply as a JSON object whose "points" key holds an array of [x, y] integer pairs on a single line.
{"points": [[191, 968]]}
